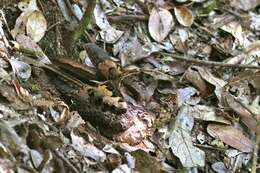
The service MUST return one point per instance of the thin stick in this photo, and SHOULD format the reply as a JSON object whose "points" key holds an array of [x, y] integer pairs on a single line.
{"points": [[143, 6], [54, 70], [210, 147], [255, 154], [123, 18], [83, 23], [55, 24], [246, 108], [71, 167], [211, 63], [204, 29]]}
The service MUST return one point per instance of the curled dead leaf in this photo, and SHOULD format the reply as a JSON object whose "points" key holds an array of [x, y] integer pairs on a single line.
{"points": [[231, 136], [184, 15], [244, 5], [36, 25], [194, 77], [21, 69], [180, 140], [160, 24], [141, 123], [30, 19], [246, 116]]}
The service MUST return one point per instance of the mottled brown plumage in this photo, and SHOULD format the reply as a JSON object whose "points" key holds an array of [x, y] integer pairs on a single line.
{"points": [[103, 62]]}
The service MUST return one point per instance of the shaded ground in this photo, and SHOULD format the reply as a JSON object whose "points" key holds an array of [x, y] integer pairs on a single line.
{"points": [[181, 93]]}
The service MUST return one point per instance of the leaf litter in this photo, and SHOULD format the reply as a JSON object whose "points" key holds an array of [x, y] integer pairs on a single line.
{"points": [[162, 86]]}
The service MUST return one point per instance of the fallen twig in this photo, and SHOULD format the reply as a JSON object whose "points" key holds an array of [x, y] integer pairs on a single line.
{"points": [[254, 115], [143, 6], [211, 63], [255, 155], [123, 18], [55, 24], [65, 160], [79, 31]]}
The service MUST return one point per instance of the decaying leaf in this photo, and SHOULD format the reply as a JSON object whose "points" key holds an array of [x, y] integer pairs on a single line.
{"points": [[248, 55], [100, 17], [255, 21], [7, 111], [4, 76], [219, 167], [207, 8], [236, 30], [209, 77], [10, 94], [194, 77], [244, 5], [146, 163], [184, 15], [143, 85], [10, 139], [36, 26], [36, 157], [231, 136], [187, 96], [246, 115], [27, 6], [122, 169], [160, 24], [28, 44], [181, 142], [141, 126], [238, 157], [108, 33], [21, 69], [87, 149], [31, 18], [129, 49], [207, 113]]}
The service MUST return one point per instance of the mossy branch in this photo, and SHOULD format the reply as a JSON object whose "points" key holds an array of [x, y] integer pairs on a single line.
{"points": [[79, 31]]}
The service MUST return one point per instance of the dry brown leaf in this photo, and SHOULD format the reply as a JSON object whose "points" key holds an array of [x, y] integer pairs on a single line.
{"points": [[244, 5], [246, 117], [236, 30], [194, 77], [36, 26], [249, 54], [19, 28], [140, 122], [27, 43], [231, 136], [27, 7], [86, 149], [207, 113], [255, 80], [209, 77], [21, 69], [160, 24], [184, 15], [180, 140], [107, 33]]}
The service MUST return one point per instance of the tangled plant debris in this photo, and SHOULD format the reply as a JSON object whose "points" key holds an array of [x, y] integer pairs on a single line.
{"points": [[129, 86]]}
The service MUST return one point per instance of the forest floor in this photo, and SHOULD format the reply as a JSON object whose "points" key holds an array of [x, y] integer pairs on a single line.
{"points": [[148, 86]]}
